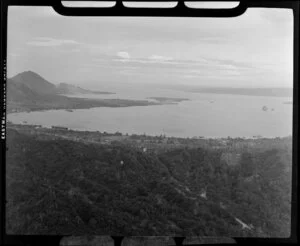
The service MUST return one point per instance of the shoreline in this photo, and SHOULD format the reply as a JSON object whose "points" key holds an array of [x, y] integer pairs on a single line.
{"points": [[138, 104], [88, 103], [140, 135]]}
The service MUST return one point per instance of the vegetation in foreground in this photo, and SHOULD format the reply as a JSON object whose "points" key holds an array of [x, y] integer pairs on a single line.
{"points": [[57, 186]]}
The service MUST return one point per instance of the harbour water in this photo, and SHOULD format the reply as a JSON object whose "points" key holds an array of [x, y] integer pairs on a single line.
{"points": [[208, 115]]}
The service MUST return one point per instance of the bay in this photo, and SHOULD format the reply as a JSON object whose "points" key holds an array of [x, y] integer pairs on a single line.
{"points": [[204, 114]]}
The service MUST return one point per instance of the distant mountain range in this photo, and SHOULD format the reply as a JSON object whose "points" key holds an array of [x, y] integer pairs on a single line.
{"points": [[28, 91]]}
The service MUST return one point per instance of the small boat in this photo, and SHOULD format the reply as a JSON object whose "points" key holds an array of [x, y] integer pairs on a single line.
{"points": [[69, 110]]}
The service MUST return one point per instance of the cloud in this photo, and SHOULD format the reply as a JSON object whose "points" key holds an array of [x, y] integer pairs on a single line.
{"points": [[190, 76], [234, 64], [158, 58], [147, 61], [198, 68], [48, 42], [153, 59], [124, 55], [228, 67], [232, 72], [72, 50]]}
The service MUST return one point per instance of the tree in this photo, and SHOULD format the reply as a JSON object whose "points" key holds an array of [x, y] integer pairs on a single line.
{"points": [[247, 164]]}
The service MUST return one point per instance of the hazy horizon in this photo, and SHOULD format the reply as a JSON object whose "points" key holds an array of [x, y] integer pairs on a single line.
{"points": [[253, 50], [98, 84]]}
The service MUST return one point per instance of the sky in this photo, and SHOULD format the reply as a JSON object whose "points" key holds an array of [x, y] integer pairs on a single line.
{"points": [[252, 50]]}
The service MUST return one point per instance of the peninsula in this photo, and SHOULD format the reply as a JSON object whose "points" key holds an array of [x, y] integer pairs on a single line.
{"points": [[28, 91]]}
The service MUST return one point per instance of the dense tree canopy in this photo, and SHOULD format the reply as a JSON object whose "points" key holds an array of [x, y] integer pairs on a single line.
{"points": [[67, 187]]}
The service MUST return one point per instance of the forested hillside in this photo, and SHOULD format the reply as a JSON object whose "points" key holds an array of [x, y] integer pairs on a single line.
{"points": [[67, 187]]}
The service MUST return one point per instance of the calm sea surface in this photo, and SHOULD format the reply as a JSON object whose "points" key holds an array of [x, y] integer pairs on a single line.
{"points": [[209, 115]]}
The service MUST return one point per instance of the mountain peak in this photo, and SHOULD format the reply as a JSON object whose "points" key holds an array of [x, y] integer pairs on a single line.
{"points": [[29, 73], [34, 81]]}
